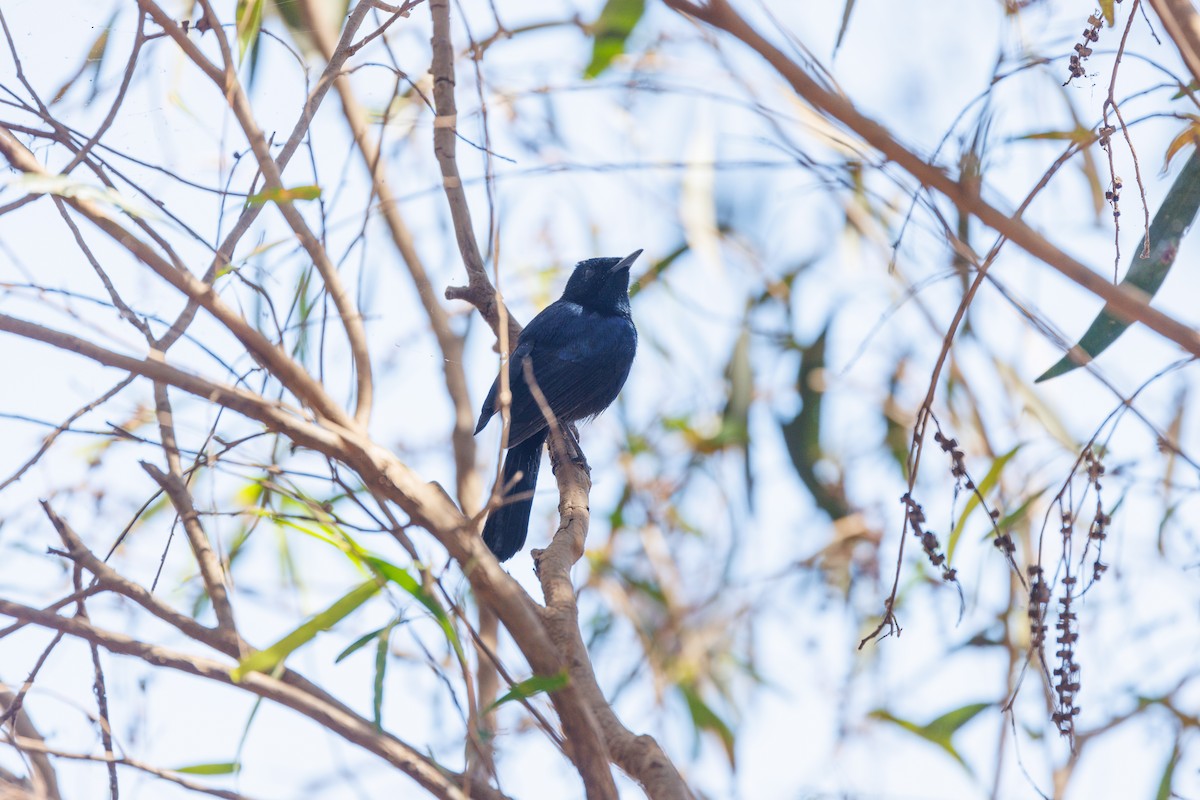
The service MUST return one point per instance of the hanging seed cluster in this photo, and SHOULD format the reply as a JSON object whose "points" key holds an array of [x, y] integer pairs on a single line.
{"points": [[1039, 600], [1098, 530], [1080, 555], [928, 539], [1083, 49], [1066, 674]]}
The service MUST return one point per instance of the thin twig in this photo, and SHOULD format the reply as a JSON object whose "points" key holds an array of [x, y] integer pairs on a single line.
{"points": [[1125, 302]]}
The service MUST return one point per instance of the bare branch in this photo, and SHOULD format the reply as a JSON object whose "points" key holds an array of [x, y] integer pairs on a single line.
{"points": [[39, 747], [1126, 302], [228, 82], [28, 740], [479, 290], [173, 484], [468, 488], [291, 374], [441, 783], [425, 503]]}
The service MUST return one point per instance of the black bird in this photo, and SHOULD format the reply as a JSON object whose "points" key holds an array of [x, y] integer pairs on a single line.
{"points": [[580, 348]]}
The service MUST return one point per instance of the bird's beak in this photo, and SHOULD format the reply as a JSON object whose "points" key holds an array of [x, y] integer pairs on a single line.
{"points": [[627, 261]]}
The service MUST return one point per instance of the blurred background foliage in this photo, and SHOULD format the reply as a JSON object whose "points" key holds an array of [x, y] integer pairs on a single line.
{"points": [[746, 514]]}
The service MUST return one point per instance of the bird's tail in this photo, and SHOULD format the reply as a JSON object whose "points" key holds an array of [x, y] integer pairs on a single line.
{"points": [[506, 527]]}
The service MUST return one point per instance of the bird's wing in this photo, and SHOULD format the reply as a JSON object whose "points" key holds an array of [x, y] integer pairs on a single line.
{"points": [[580, 362], [490, 403]]}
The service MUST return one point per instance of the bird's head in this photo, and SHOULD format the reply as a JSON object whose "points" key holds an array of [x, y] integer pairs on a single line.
{"points": [[601, 283]]}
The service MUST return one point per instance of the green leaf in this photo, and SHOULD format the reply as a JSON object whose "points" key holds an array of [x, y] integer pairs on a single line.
{"points": [[617, 20], [531, 686], [1192, 87], [982, 488], [330, 14], [736, 416], [1012, 518], [384, 570], [284, 195], [802, 434], [381, 660], [273, 656], [400, 577], [941, 730], [1079, 134], [705, 719], [1168, 777], [1174, 217], [945, 726], [218, 768], [359, 643], [656, 270], [293, 17], [249, 22], [1110, 14]]}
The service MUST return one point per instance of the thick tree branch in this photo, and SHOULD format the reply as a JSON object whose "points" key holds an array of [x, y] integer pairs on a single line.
{"points": [[425, 503], [353, 728], [639, 755], [222, 641]]}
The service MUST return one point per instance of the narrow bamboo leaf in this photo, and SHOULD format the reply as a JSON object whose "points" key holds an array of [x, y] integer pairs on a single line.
{"points": [[532, 686], [384, 570], [1192, 87], [802, 434], [1110, 14], [945, 726], [408, 583], [705, 719], [736, 416], [841, 34], [92, 62], [1079, 135], [656, 270], [381, 660], [617, 20], [284, 195], [983, 487], [218, 768], [273, 656], [1174, 217], [1187, 136], [249, 22], [1012, 518], [292, 16], [329, 13], [359, 644], [941, 730], [1168, 777]]}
